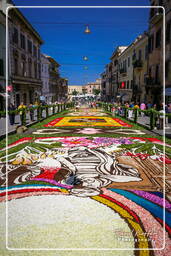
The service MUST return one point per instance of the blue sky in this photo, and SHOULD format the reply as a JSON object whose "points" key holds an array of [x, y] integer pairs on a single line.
{"points": [[62, 31]]}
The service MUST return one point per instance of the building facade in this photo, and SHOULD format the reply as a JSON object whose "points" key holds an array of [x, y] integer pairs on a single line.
{"points": [[45, 63], [54, 78], [125, 74], [75, 90], [63, 89], [3, 95], [154, 81], [24, 65], [115, 71], [140, 68], [93, 87]]}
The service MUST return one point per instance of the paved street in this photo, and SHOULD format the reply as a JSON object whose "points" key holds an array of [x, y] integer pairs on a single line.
{"points": [[145, 121], [89, 174], [12, 128]]}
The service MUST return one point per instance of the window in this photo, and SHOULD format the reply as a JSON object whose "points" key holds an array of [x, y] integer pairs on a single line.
{"points": [[29, 68], [125, 64], [167, 69], [39, 70], [23, 68], [139, 55], [158, 38], [38, 54], [151, 43], [34, 51], [157, 80], [35, 70], [134, 56], [131, 84], [128, 61], [127, 84], [22, 41], [168, 31], [146, 52], [15, 36], [16, 66], [1, 67], [29, 44]]}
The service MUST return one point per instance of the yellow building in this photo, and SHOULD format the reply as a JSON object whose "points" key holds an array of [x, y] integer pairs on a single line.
{"points": [[140, 68]]}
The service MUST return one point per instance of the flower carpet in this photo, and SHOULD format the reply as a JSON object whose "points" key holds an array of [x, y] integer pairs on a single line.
{"points": [[87, 121], [102, 194]]}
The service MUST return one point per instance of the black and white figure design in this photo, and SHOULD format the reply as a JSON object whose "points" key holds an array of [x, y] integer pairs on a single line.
{"points": [[96, 169], [87, 170]]}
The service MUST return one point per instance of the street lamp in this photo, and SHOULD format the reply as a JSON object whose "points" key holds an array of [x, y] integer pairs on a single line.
{"points": [[85, 58], [87, 30]]}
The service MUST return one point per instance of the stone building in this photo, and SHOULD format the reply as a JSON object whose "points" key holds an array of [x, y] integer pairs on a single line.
{"points": [[24, 57], [109, 82], [3, 95], [54, 78], [115, 71], [45, 63], [103, 86], [92, 87], [24, 54], [154, 80], [74, 90], [125, 74], [63, 89], [140, 68]]}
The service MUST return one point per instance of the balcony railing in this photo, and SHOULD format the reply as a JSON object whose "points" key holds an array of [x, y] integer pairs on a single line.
{"points": [[152, 82], [138, 64], [122, 71], [156, 15]]}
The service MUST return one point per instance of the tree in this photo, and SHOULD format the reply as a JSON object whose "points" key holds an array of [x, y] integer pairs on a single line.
{"points": [[96, 91], [74, 92]]}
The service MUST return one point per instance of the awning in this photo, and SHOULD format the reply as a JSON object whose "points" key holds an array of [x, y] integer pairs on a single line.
{"points": [[168, 91]]}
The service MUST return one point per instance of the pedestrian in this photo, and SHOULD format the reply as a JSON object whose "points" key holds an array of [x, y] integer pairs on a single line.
{"points": [[149, 105], [22, 109], [113, 110], [11, 113], [31, 109], [130, 111], [142, 107]]}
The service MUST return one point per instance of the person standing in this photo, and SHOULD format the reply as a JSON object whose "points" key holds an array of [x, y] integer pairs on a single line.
{"points": [[130, 111], [22, 113], [31, 112], [142, 107], [11, 113]]}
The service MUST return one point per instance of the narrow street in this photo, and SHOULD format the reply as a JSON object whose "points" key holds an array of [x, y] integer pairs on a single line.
{"points": [[87, 180]]}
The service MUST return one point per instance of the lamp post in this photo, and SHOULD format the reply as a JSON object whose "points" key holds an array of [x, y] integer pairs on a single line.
{"points": [[87, 30]]}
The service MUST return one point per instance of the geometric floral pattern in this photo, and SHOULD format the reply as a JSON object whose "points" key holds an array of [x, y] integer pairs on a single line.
{"points": [[87, 121]]}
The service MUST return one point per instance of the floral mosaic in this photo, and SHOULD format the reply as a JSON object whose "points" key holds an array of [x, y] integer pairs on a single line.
{"points": [[89, 131], [86, 192], [87, 121]]}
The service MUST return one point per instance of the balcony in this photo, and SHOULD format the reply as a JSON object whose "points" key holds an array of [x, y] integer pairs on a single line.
{"points": [[137, 89], [152, 82], [156, 16], [17, 79], [138, 64], [123, 71]]}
